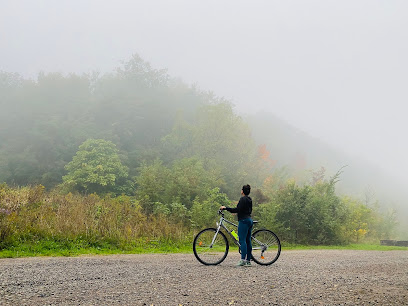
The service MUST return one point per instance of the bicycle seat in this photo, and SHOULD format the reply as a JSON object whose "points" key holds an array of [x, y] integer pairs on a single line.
{"points": [[254, 222]]}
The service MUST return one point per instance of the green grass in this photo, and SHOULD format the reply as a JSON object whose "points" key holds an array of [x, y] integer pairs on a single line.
{"points": [[76, 248], [362, 247]]}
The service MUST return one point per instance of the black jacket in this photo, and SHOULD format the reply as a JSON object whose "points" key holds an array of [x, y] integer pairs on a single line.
{"points": [[244, 208]]}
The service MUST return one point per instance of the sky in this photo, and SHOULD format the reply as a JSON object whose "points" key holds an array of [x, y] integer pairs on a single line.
{"points": [[336, 69]]}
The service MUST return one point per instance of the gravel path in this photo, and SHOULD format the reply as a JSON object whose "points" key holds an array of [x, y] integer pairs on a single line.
{"points": [[298, 278]]}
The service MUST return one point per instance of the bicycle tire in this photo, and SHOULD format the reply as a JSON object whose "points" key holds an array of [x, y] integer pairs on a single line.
{"points": [[266, 247], [215, 254]]}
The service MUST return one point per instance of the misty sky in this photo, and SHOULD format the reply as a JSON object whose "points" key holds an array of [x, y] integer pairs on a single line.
{"points": [[336, 69]]}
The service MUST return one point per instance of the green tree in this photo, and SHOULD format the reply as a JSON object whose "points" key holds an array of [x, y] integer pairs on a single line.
{"points": [[39, 126], [221, 139], [307, 214], [188, 180], [204, 211], [96, 167], [359, 220], [325, 214], [291, 204], [151, 185], [159, 187]]}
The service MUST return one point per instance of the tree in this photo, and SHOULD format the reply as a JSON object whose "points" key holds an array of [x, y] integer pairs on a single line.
{"points": [[151, 184], [204, 211], [221, 139], [96, 167], [307, 214], [182, 182]]}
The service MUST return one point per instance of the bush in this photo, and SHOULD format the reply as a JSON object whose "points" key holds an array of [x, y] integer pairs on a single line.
{"points": [[27, 215]]}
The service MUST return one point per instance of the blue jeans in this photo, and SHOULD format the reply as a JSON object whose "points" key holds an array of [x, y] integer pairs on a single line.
{"points": [[244, 235]]}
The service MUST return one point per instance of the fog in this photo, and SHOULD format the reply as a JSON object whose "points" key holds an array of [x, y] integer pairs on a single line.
{"points": [[334, 69]]}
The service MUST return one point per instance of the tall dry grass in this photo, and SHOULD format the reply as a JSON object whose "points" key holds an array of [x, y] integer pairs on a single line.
{"points": [[31, 213]]}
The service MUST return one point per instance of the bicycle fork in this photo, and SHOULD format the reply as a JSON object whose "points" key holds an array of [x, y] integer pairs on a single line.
{"points": [[219, 225]]}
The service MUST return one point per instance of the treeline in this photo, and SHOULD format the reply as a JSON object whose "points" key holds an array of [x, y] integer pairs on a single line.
{"points": [[43, 121], [141, 146], [147, 115]]}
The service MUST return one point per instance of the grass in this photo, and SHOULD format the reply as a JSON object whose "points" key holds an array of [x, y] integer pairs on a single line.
{"points": [[76, 248], [361, 247]]}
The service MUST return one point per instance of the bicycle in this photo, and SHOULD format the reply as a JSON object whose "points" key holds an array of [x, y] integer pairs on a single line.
{"points": [[211, 246]]}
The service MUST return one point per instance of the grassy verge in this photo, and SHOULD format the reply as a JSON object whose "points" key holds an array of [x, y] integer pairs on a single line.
{"points": [[76, 248], [362, 247]]}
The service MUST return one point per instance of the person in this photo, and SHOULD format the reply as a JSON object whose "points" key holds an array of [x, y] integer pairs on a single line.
{"points": [[245, 224]]}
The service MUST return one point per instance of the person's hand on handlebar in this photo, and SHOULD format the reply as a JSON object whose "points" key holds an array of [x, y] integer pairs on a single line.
{"points": [[222, 208]]}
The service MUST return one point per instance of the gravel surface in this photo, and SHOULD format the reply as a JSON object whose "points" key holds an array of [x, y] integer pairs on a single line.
{"points": [[324, 277]]}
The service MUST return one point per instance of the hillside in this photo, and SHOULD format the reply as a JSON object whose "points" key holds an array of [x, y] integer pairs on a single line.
{"points": [[302, 153], [179, 153]]}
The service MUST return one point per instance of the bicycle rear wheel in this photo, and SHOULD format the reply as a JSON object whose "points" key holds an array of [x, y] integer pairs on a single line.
{"points": [[209, 253], [266, 247]]}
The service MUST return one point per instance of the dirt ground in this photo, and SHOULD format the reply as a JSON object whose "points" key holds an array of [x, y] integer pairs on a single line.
{"points": [[324, 277]]}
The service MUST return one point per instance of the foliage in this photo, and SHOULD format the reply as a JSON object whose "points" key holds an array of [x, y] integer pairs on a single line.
{"points": [[43, 121], [96, 167], [204, 212], [177, 154], [221, 140], [35, 221], [316, 215], [29, 215], [182, 183]]}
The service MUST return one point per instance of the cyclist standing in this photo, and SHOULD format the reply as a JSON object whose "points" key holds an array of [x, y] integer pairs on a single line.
{"points": [[245, 223]]}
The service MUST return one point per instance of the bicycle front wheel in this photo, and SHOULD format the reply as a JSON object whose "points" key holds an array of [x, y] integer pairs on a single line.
{"points": [[266, 247], [209, 248]]}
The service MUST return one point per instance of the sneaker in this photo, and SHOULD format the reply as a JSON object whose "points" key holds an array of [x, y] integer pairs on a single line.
{"points": [[241, 263], [248, 263]]}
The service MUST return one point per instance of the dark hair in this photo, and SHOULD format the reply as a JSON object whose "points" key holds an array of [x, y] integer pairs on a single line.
{"points": [[246, 189]]}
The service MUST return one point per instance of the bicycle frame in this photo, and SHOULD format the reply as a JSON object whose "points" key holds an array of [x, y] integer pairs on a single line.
{"points": [[222, 225]]}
